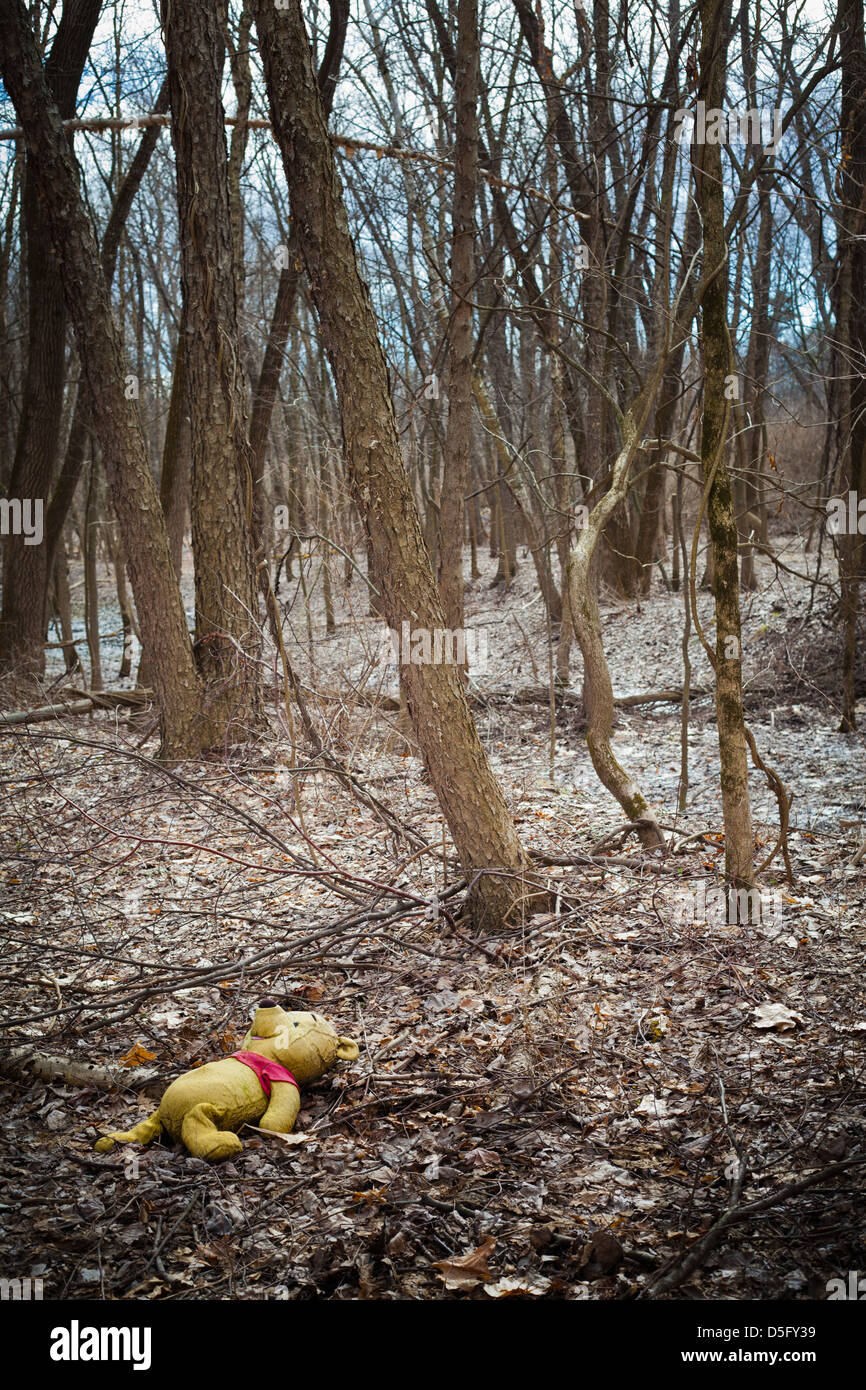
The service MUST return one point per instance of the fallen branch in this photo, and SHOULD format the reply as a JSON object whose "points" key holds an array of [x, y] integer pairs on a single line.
{"points": [[671, 1276], [43, 712], [605, 861], [358, 697], [118, 699], [540, 695], [26, 1062], [653, 697], [84, 703], [526, 695]]}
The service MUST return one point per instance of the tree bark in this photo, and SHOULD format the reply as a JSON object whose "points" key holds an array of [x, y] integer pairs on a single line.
{"points": [[471, 799], [583, 609], [115, 420], [27, 568], [79, 433], [455, 469], [851, 318], [228, 637], [176, 450], [284, 305], [90, 555], [63, 610], [758, 359], [588, 197], [717, 359]]}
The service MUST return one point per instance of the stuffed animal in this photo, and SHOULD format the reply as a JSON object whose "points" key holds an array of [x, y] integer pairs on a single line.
{"points": [[256, 1086]]}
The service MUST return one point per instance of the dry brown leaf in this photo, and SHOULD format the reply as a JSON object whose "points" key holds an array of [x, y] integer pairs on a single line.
{"points": [[466, 1271], [300, 1138], [137, 1056]]}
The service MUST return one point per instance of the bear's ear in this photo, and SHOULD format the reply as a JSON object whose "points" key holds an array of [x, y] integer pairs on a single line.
{"points": [[347, 1050], [268, 1021]]}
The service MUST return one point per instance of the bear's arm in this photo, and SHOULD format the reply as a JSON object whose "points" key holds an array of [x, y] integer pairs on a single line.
{"points": [[283, 1108]]}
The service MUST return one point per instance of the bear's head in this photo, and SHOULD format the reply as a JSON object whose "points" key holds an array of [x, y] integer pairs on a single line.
{"points": [[304, 1042]]}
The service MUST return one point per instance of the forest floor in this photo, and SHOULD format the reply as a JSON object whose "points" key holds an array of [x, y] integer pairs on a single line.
{"points": [[563, 1110]]}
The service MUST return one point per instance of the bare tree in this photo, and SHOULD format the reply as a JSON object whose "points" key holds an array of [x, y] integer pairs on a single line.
{"points": [[226, 603], [455, 471], [473, 804], [26, 568], [718, 366], [115, 419], [851, 328]]}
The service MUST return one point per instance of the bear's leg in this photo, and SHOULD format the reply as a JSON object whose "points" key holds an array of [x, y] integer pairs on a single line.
{"points": [[201, 1136], [283, 1107], [141, 1134]]}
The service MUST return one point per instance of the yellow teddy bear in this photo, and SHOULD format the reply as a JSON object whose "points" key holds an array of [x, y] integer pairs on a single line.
{"points": [[258, 1085]]}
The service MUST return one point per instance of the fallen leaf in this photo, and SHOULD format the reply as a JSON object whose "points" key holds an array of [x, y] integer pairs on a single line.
{"points": [[531, 1285], [777, 1016], [302, 1138], [650, 1105], [136, 1056], [466, 1271]]}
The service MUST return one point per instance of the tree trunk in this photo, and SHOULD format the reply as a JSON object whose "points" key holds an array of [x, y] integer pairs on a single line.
{"points": [[26, 568], [63, 608], [583, 609], [757, 373], [176, 451], [284, 305], [115, 419], [592, 427], [228, 637], [717, 359], [239, 61], [127, 619], [90, 552], [471, 799], [851, 318], [79, 433], [174, 471], [266, 393], [455, 472]]}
